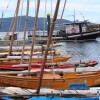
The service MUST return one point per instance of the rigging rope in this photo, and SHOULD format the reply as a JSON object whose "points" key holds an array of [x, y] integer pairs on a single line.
{"points": [[11, 25], [7, 6], [62, 14], [35, 6], [45, 17], [19, 22], [51, 8], [63, 9], [35, 14], [3, 13], [25, 28], [20, 17], [14, 26]]}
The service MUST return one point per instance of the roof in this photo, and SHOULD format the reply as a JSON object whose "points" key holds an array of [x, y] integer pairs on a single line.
{"points": [[77, 23]]}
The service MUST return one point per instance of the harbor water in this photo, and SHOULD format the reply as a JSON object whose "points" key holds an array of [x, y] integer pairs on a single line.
{"points": [[84, 50]]}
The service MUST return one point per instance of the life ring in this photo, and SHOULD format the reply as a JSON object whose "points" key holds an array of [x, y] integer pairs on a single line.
{"points": [[73, 30]]}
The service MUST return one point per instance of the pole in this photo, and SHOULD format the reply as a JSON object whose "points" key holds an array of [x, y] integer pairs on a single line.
{"points": [[25, 27], [15, 22], [48, 23], [34, 34], [47, 47]]}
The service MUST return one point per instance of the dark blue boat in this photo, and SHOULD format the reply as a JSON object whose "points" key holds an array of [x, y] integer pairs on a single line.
{"points": [[61, 98], [79, 31], [53, 98]]}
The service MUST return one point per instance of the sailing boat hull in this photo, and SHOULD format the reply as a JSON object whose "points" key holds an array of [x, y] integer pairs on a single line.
{"points": [[51, 81], [55, 59]]}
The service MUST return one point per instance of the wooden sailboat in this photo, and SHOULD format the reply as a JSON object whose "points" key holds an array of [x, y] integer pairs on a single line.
{"points": [[15, 65], [55, 81], [14, 27], [52, 80], [49, 65]]}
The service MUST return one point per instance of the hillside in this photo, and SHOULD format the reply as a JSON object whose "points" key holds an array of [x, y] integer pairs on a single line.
{"points": [[7, 21]]}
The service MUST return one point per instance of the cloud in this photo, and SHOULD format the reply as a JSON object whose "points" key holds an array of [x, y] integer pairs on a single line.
{"points": [[89, 8]]}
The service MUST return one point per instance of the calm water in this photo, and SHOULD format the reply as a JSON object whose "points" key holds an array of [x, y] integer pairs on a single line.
{"points": [[82, 50]]}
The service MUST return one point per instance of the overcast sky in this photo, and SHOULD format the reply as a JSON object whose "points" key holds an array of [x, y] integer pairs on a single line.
{"points": [[84, 9]]}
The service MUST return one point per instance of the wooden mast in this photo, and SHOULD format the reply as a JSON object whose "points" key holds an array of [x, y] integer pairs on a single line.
{"points": [[63, 10], [34, 34], [25, 27], [47, 47], [15, 22]]}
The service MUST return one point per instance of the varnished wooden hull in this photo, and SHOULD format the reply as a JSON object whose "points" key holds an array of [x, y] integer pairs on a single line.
{"points": [[56, 82], [13, 62], [55, 59]]}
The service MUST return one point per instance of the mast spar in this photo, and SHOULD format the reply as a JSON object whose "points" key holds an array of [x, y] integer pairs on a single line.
{"points": [[47, 47], [15, 22], [34, 34], [25, 27]]}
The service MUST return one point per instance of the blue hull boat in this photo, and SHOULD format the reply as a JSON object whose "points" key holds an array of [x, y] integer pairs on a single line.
{"points": [[62, 98], [53, 98]]}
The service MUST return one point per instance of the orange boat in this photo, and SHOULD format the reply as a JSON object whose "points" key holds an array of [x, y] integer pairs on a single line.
{"points": [[37, 63], [55, 81], [60, 58]]}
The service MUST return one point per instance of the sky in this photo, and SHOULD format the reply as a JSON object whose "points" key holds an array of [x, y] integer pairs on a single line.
{"points": [[84, 9]]}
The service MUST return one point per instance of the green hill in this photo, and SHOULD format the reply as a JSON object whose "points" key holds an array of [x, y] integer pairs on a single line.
{"points": [[21, 21]]}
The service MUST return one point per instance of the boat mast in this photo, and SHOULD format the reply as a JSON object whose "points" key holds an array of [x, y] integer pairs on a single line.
{"points": [[74, 16], [34, 34], [15, 22], [44, 29], [63, 10], [25, 27], [62, 13], [47, 47]]}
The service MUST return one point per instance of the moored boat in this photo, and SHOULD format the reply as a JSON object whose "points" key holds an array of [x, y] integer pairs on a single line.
{"points": [[74, 31], [49, 64], [55, 81], [80, 64], [16, 59], [79, 31]]}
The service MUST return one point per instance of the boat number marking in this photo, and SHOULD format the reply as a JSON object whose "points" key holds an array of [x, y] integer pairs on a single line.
{"points": [[13, 82]]}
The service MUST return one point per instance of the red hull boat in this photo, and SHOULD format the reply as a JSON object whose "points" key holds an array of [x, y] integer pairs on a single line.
{"points": [[78, 64], [47, 66]]}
